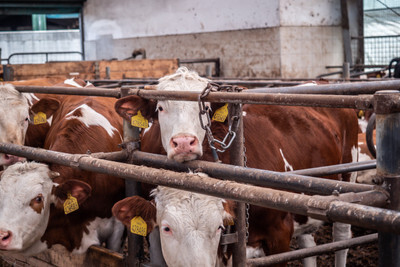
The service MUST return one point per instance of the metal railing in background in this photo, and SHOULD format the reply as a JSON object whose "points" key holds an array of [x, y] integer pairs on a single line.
{"points": [[7, 60]]}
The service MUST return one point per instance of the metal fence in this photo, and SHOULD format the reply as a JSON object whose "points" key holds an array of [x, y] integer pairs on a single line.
{"points": [[378, 50], [387, 106]]}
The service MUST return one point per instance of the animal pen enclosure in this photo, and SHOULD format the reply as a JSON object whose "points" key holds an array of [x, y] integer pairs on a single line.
{"points": [[351, 203]]}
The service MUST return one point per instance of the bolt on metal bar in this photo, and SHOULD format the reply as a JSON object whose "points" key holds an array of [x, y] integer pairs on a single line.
{"points": [[329, 208], [313, 251], [284, 181]]}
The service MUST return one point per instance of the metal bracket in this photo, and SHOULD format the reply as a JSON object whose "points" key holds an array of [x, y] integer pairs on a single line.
{"points": [[227, 239]]}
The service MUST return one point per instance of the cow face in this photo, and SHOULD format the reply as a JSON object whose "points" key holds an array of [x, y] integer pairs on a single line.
{"points": [[26, 193], [181, 131], [190, 224], [14, 118]]}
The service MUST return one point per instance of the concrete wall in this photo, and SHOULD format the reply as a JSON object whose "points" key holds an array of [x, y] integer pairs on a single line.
{"points": [[40, 41], [256, 38]]}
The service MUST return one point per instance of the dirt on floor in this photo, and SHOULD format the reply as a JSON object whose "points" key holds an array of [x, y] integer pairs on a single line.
{"points": [[365, 255]]}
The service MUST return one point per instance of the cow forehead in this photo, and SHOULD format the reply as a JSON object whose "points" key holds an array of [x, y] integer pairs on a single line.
{"points": [[182, 80], [188, 208], [25, 179]]}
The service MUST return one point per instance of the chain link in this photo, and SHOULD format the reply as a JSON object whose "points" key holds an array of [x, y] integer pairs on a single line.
{"points": [[204, 110]]}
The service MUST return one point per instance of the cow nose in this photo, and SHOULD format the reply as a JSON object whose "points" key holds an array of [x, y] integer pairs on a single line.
{"points": [[184, 144], [5, 239], [11, 159]]}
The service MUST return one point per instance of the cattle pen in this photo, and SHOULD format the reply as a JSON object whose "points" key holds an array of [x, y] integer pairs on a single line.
{"points": [[362, 205]]}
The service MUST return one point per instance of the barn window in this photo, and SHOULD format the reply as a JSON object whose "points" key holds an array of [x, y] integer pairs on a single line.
{"points": [[40, 31]]}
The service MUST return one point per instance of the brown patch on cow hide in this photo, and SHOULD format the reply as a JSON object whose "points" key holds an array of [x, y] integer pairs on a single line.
{"points": [[37, 203], [77, 113]]}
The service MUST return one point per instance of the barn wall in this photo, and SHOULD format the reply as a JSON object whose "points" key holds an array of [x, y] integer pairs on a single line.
{"points": [[276, 38]]}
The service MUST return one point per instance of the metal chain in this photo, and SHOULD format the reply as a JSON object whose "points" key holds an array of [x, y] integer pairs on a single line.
{"points": [[204, 110]]}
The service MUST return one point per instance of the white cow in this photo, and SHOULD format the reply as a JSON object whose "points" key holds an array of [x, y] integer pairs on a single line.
{"points": [[14, 120], [190, 224], [26, 193]]}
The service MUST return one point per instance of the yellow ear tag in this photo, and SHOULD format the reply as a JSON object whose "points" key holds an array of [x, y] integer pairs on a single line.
{"points": [[231, 222], [139, 121], [70, 204], [39, 118], [221, 113], [138, 226]]}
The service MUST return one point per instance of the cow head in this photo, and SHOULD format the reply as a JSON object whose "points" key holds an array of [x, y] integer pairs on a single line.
{"points": [[181, 131], [190, 224], [14, 119], [26, 193]]}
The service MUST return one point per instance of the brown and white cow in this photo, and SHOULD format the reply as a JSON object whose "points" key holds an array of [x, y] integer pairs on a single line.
{"points": [[26, 193], [189, 223], [81, 124], [277, 138]]}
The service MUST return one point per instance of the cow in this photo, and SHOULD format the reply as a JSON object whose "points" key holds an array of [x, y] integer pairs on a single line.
{"points": [[14, 120], [188, 222], [366, 176], [27, 191], [79, 125], [277, 138]]}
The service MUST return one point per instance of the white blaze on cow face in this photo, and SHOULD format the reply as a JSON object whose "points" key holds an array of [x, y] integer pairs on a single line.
{"points": [[190, 226], [25, 197], [14, 119], [181, 132]]}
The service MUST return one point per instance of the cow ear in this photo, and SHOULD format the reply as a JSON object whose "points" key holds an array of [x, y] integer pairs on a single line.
{"points": [[46, 105], [129, 106], [78, 189], [128, 208]]}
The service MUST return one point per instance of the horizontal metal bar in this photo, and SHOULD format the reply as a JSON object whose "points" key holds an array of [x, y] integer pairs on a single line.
{"points": [[313, 251], [336, 169], [336, 89], [69, 91], [331, 101], [250, 97], [330, 208], [289, 181]]}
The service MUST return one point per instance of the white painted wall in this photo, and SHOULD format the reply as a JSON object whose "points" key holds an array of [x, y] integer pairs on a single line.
{"points": [[144, 18], [253, 38]]}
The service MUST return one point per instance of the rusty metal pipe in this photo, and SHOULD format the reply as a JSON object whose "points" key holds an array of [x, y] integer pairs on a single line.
{"points": [[250, 97], [313, 251], [285, 181], [335, 89], [318, 207], [69, 91]]}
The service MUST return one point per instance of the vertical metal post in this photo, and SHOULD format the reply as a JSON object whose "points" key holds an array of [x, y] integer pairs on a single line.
{"points": [[237, 158], [132, 139], [388, 168], [346, 71]]}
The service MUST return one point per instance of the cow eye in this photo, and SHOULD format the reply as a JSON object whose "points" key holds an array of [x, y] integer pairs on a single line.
{"points": [[166, 229], [39, 198], [160, 108]]}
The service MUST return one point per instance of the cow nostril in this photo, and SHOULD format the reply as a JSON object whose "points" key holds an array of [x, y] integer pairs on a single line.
{"points": [[192, 142], [7, 236], [175, 144]]}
